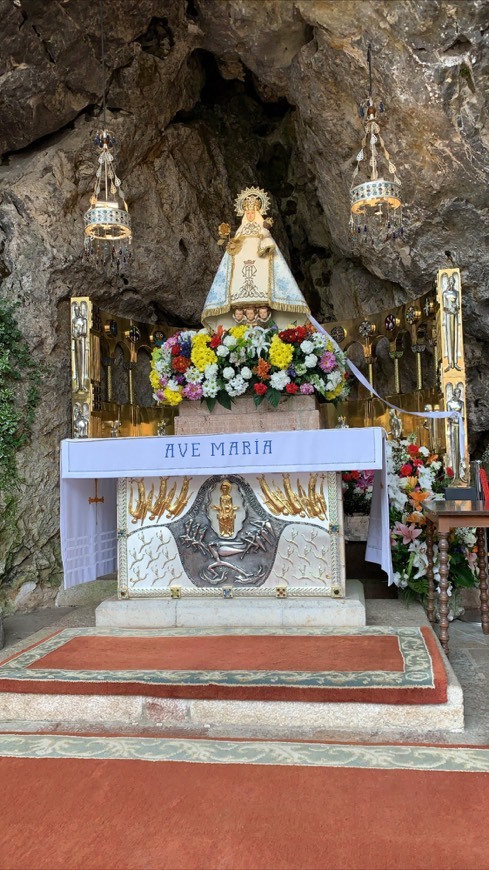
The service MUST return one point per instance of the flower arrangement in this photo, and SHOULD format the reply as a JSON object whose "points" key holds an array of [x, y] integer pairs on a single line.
{"points": [[264, 363], [414, 477], [357, 492]]}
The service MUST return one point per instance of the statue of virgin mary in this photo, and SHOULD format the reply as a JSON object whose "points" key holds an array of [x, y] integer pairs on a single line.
{"points": [[253, 285]]}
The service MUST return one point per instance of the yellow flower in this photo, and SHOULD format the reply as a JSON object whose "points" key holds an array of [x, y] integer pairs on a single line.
{"points": [[201, 340], [333, 394], [154, 378], [202, 357], [238, 331], [172, 397], [280, 354]]}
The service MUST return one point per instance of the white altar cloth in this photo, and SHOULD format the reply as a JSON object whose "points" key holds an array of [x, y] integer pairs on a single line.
{"points": [[88, 531]]}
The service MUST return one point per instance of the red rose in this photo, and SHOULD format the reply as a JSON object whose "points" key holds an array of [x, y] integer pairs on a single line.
{"points": [[346, 476], [215, 342], [176, 350], [180, 364], [412, 449], [417, 463], [449, 471], [291, 388], [260, 389], [301, 333], [355, 475], [406, 470]]}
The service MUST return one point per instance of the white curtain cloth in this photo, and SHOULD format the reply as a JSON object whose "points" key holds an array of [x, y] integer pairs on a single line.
{"points": [[88, 530]]}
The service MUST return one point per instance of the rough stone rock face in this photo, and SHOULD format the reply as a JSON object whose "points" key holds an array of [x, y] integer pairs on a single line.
{"points": [[205, 97]]}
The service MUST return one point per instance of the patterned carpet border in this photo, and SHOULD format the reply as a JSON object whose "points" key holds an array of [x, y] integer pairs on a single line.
{"points": [[418, 669], [378, 757]]}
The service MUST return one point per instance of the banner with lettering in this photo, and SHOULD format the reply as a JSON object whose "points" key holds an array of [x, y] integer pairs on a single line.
{"points": [[310, 450]]}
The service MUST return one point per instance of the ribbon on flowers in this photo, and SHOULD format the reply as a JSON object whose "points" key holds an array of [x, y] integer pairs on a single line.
{"points": [[430, 415]]}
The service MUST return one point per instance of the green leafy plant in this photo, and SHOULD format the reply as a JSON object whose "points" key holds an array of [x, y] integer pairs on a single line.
{"points": [[20, 377]]}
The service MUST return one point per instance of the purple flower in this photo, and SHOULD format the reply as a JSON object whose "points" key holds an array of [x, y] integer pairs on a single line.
{"points": [[306, 389], [327, 362], [180, 379], [192, 391], [291, 371], [186, 348], [170, 342], [160, 396]]}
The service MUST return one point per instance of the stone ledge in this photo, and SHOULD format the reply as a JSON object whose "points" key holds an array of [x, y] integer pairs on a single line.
{"points": [[238, 612]]}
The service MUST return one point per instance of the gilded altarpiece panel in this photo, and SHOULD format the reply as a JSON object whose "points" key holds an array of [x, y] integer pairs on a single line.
{"points": [[271, 535]]}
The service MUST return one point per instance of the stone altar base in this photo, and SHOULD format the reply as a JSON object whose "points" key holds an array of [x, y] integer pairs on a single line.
{"points": [[237, 612]]}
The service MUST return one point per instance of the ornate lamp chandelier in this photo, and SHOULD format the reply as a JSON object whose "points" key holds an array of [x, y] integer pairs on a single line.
{"points": [[108, 233], [376, 206]]}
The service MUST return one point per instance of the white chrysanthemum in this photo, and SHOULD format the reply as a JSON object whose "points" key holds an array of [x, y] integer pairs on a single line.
{"points": [[279, 380], [210, 371], [246, 373], [424, 451], [233, 358], [307, 347], [210, 389], [311, 360], [193, 376], [319, 341], [230, 341], [237, 386], [173, 385], [334, 378], [222, 350], [228, 373]]}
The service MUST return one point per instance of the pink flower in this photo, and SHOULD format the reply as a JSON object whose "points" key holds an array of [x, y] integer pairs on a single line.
{"points": [[472, 560], [365, 480], [327, 362], [192, 391], [306, 389], [409, 533]]}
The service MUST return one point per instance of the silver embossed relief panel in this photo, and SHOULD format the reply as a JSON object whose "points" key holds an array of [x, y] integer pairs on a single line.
{"points": [[276, 534]]}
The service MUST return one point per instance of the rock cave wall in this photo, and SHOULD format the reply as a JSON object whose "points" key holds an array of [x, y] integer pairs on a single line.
{"points": [[205, 97]]}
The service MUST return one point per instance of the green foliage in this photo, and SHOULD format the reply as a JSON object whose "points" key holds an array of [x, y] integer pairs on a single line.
{"points": [[224, 400], [19, 394]]}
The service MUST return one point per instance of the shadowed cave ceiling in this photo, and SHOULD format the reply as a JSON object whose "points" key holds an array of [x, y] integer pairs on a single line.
{"points": [[205, 97]]}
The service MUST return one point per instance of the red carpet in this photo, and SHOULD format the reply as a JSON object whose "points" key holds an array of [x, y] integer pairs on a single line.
{"points": [[372, 665], [291, 806]]}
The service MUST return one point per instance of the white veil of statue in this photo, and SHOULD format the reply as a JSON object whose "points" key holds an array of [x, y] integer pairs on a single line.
{"points": [[253, 284]]}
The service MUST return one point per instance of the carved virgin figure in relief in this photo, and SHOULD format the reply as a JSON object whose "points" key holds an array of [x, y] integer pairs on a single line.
{"points": [[253, 285], [226, 510], [451, 319]]}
